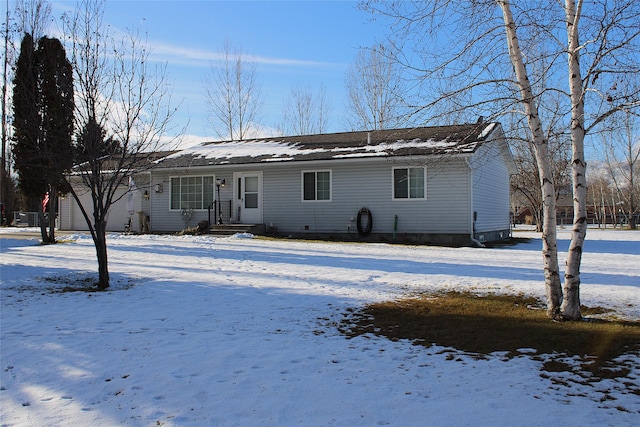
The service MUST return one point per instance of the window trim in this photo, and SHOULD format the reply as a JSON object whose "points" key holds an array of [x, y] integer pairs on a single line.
{"points": [[315, 172], [180, 178], [408, 198]]}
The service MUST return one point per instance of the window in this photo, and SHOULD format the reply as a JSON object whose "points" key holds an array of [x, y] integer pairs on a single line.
{"points": [[316, 185], [192, 192], [251, 192], [409, 183]]}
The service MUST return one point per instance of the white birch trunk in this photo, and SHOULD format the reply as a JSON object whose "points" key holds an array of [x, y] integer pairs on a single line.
{"points": [[571, 304], [549, 241]]}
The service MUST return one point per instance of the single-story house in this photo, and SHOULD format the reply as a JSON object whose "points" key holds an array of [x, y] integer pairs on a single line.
{"points": [[441, 185]]}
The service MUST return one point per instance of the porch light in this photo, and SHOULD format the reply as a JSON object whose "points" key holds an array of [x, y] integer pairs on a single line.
{"points": [[219, 183]]}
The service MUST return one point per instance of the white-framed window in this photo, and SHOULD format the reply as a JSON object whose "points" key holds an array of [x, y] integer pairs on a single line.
{"points": [[192, 192], [316, 185], [409, 183]]}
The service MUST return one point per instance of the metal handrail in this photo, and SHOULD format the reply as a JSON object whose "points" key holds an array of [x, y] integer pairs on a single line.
{"points": [[221, 215]]}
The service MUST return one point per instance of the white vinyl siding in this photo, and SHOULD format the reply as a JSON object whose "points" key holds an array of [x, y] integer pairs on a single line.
{"points": [[368, 184], [490, 188], [71, 217], [165, 219]]}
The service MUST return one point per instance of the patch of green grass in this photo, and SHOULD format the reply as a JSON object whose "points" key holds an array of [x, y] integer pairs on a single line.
{"points": [[512, 241], [480, 325]]}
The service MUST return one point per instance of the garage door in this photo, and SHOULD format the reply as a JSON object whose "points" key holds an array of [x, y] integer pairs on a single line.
{"points": [[117, 213]]}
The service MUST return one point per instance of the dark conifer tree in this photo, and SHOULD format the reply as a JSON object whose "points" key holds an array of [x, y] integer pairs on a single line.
{"points": [[43, 123], [26, 122]]}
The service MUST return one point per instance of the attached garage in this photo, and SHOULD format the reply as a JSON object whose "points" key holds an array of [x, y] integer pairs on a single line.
{"points": [[127, 206]]}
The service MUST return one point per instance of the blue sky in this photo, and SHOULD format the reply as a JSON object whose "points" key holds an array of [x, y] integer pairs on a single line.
{"points": [[294, 43]]}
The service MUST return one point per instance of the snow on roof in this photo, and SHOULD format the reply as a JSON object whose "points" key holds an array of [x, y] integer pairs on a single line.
{"points": [[247, 148], [487, 130], [457, 139]]}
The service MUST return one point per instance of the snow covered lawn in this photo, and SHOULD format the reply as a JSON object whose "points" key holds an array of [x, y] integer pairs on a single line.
{"points": [[203, 331]]}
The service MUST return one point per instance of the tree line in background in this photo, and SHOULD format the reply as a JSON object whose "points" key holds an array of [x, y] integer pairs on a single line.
{"points": [[613, 193], [373, 87], [552, 74]]}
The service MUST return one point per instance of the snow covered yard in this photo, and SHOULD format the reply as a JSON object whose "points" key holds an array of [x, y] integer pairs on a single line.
{"points": [[241, 331]]}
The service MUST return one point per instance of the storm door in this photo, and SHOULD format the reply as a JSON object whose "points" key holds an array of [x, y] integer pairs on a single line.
{"points": [[248, 197]]}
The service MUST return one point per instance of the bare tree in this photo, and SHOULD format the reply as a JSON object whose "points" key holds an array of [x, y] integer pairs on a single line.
{"points": [[587, 66], [620, 150], [374, 90], [4, 173], [602, 197], [305, 113], [122, 111], [525, 184], [34, 17], [550, 249], [233, 94]]}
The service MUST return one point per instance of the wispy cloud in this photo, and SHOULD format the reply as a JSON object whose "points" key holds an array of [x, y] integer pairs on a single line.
{"points": [[201, 57]]}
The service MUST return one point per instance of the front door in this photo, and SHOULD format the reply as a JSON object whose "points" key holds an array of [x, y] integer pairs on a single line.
{"points": [[249, 197]]}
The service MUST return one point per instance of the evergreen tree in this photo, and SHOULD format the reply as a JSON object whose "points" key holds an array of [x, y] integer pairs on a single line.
{"points": [[92, 144], [43, 111], [26, 122]]}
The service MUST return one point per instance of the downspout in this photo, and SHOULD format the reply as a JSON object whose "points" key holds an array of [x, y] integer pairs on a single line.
{"points": [[472, 237], [149, 201]]}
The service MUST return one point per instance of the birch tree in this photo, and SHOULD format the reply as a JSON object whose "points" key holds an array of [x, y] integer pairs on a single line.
{"points": [[549, 241], [304, 112], [594, 45], [374, 90], [233, 94], [123, 111]]}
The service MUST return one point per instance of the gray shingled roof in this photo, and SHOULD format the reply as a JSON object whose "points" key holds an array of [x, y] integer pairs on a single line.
{"points": [[454, 139], [124, 162]]}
